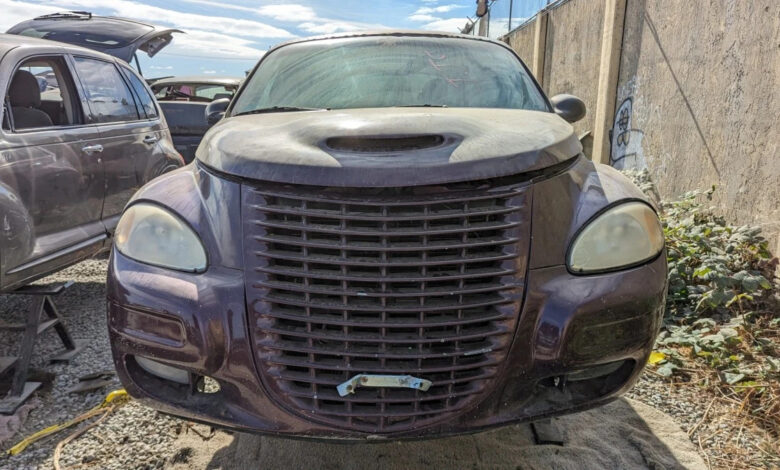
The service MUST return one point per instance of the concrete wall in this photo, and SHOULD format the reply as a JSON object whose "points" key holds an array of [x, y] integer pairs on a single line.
{"points": [[573, 52], [697, 102], [522, 41], [697, 95]]}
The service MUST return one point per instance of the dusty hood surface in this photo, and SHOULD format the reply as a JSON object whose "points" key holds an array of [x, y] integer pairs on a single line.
{"points": [[387, 146]]}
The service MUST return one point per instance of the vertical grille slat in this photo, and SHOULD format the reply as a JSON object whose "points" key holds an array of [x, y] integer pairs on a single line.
{"points": [[425, 281]]}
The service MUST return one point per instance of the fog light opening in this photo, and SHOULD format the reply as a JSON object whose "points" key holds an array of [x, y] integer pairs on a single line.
{"points": [[207, 385], [594, 371], [163, 371], [588, 383]]}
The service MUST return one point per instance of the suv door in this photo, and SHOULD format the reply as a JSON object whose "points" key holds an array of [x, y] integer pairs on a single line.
{"points": [[129, 139], [165, 158], [51, 179]]}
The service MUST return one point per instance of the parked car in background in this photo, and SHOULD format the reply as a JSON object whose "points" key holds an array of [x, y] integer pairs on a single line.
{"points": [[389, 235], [119, 37], [184, 101], [81, 132], [195, 89]]}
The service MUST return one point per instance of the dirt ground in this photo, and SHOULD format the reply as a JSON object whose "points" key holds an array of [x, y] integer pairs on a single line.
{"points": [[623, 435]]}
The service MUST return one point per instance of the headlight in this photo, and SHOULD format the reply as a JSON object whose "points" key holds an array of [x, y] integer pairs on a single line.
{"points": [[623, 236], [152, 235]]}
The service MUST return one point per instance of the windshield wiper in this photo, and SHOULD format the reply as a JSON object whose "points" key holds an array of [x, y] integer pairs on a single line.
{"points": [[278, 109], [422, 106]]}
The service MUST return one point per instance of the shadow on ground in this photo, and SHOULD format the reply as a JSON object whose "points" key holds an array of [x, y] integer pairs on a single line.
{"points": [[623, 435]]}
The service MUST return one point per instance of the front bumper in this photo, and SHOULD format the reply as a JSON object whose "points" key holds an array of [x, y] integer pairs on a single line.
{"points": [[569, 328]]}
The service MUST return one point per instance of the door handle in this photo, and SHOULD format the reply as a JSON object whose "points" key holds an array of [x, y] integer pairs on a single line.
{"points": [[90, 149], [150, 139]]}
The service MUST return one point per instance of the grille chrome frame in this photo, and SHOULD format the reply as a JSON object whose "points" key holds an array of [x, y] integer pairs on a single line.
{"points": [[426, 281]]}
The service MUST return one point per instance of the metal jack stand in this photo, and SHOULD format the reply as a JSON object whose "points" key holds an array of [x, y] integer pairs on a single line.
{"points": [[36, 324]]}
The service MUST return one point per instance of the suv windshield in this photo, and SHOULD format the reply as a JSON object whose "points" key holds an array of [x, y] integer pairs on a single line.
{"points": [[385, 71]]}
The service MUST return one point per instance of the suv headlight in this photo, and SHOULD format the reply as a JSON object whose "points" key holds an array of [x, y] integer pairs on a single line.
{"points": [[153, 235], [623, 236]]}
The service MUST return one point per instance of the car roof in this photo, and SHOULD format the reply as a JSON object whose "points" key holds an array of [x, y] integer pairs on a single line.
{"points": [[198, 79], [9, 42]]}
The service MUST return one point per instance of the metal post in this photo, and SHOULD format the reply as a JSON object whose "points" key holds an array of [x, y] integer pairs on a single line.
{"points": [[483, 25], [511, 2], [540, 46], [611, 44]]}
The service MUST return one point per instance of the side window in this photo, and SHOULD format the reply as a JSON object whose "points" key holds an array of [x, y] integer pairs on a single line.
{"points": [[109, 98], [42, 94], [213, 92], [146, 104], [162, 92]]}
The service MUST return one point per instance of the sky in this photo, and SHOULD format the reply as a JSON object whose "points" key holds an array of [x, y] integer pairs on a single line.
{"points": [[227, 38]]}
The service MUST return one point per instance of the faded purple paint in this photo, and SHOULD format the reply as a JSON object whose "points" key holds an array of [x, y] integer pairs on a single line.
{"points": [[622, 310]]}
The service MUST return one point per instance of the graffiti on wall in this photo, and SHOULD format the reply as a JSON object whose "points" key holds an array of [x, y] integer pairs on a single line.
{"points": [[626, 141]]}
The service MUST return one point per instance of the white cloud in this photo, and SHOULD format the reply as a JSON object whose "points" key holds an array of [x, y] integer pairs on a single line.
{"points": [[328, 27], [16, 12], [196, 42], [179, 19], [210, 44], [227, 6], [307, 18], [424, 15], [288, 12], [159, 67], [439, 9], [325, 26], [209, 72], [206, 35], [423, 18], [499, 27], [450, 25]]}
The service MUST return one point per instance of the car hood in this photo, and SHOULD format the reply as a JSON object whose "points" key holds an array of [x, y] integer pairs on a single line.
{"points": [[388, 146]]}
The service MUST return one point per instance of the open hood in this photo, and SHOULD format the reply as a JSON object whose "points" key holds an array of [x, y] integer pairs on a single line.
{"points": [[388, 146], [119, 37]]}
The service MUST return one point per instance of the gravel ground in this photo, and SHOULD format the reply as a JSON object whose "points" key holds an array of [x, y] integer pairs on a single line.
{"points": [[133, 437], [711, 421], [136, 437]]}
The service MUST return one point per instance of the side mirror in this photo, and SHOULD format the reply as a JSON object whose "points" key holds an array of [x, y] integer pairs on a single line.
{"points": [[569, 107], [216, 110]]}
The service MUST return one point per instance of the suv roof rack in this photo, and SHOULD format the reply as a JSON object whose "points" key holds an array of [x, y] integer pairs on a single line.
{"points": [[79, 15]]}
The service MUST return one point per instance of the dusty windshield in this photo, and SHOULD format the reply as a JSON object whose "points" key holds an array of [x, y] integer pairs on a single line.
{"points": [[375, 72]]}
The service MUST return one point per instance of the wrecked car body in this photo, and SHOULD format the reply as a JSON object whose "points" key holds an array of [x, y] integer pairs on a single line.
{"points": [[412, 245], [185, 100], [80, 134]]}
